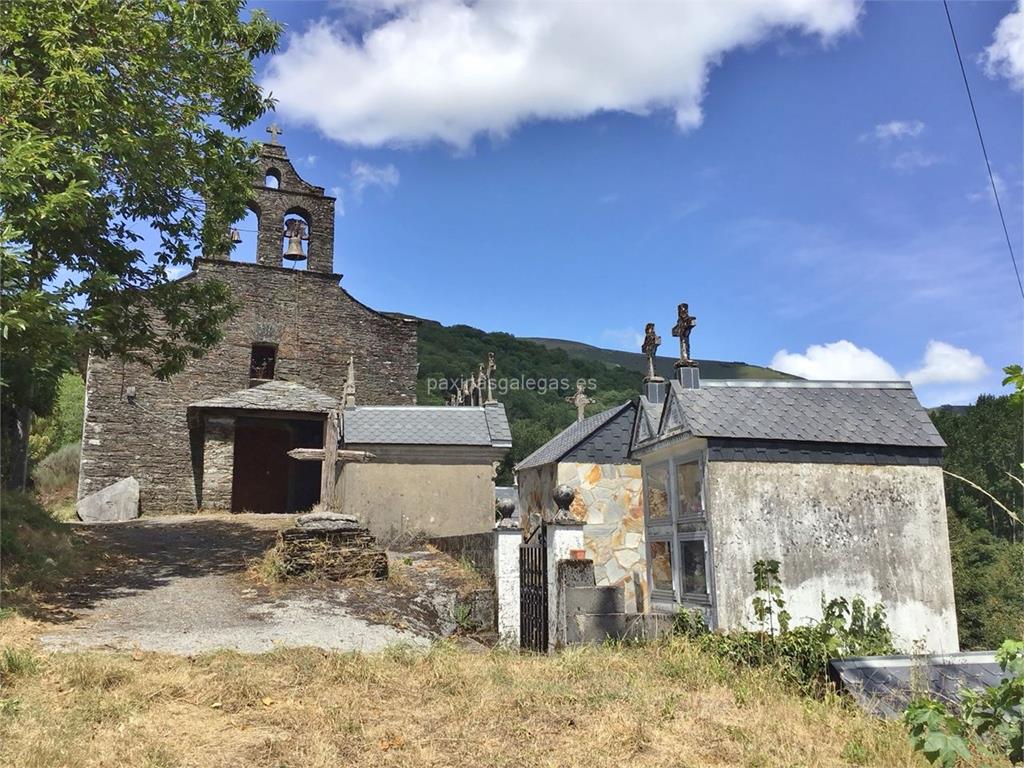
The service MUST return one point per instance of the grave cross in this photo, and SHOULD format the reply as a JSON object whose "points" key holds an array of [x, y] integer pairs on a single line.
{"points": [[650, 348], [580, 400], [274, 132], [330, 456], [488, 372], [683, 327]]}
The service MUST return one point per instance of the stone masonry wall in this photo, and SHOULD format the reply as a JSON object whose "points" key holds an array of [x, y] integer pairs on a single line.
{"points": [[315, 324], [218, 463]]}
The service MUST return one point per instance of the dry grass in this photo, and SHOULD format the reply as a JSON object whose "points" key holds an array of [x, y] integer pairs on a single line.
{"points": [[662, 705]]}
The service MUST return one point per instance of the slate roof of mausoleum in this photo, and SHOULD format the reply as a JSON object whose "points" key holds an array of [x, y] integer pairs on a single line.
{"points": [[485, 425], [599, 442], [862, 413]]}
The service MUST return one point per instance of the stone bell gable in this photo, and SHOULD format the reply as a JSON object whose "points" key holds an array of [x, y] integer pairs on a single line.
{"points": [[294, 323]]}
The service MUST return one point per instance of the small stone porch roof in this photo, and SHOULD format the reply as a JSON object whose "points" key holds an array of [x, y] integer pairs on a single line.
{"points": [[858, 413], [572, 436], [485, 425], [274, 395]]}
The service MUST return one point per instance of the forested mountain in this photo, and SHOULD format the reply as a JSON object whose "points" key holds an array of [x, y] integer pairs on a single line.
{"points": [[984, 445], [535, 377]]}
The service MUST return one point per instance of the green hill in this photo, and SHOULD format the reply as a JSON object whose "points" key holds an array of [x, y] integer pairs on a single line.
{"points": [[664, 366], [535, 376]]}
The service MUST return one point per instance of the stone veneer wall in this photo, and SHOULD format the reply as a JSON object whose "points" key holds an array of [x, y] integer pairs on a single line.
{"points": [[315, 324], [609, 500]]}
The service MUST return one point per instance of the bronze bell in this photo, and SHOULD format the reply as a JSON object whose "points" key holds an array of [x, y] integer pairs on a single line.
{"points": [[295, 231], [294, 250], [236, 236]]}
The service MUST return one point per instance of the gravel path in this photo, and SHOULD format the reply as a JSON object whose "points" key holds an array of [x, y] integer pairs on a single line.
{"points": [[178, 587]]}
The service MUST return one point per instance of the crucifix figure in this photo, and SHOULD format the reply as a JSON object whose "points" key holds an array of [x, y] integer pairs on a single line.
{"points": [[580, 400], [650, 348], [682, 329], [488, 372], [274, 132]]}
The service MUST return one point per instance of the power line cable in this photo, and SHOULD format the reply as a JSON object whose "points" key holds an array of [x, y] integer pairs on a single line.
{"points": [[984, 151]]}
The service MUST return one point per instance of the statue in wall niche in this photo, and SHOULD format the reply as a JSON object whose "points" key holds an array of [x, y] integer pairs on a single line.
{"points": [[682, 329], [650, 348], [581, 400]]}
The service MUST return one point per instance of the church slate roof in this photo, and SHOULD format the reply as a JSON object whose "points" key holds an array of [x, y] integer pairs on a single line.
{"points": [[573, 436], [273, 396], [862, 413], [427, 425]]}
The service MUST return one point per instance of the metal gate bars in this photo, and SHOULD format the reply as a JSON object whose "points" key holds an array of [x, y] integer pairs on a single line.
{"points": [[533, 591]]}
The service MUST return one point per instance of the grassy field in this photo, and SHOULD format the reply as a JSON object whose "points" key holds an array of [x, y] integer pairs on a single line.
{"points": [[660, 705]]}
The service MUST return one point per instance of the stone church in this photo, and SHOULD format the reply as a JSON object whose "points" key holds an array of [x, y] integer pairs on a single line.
{"points": [[227, 432]]}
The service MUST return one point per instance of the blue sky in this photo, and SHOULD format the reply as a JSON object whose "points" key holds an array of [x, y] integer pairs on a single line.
{"points": [[808, 178]]}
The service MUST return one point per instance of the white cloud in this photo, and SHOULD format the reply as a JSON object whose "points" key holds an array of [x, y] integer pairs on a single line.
{"points": [[1005, 56], [895, 129], [914, 159], [943, 363], [174, 271], [365, 175], [339, 200], [310, 159], [450, 70], [845, 361], [623, 338], [838, 361], [985, 192]]}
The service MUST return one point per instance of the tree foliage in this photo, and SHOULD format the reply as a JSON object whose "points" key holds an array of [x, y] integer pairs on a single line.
{"points": [[984, 444], [118, 126], [534, 381]]}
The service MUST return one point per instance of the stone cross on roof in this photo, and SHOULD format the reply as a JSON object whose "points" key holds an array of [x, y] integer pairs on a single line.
{"points": [[650, 348], [683, 327], [580, 400], [274, 132], [488, 372]]}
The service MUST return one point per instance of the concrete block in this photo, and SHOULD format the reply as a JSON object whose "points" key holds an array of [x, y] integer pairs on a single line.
{"points": [[596, 600], [115, 503], [576, 573], [596, 628]]}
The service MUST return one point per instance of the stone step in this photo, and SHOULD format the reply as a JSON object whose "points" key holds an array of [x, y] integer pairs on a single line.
{"points": [[594, 600], [596, 628]]}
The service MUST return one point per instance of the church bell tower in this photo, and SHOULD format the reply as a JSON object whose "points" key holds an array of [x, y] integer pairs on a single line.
{"points": [[296, 219]]}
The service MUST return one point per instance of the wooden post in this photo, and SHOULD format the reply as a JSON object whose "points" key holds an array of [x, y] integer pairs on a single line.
{"points": [[328, 468]]}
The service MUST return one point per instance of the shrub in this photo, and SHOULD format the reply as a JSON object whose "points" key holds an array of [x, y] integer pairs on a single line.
{"points": [[59, 470], [800, 654], [988, 723]]}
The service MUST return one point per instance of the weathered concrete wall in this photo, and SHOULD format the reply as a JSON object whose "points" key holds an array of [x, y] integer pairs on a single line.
{"points": [[506, 586], [411, 500], [315, 324], [218, 463], [845, 530]]}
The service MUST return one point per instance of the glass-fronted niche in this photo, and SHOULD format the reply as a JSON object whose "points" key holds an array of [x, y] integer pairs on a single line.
{"points": [[676, 531]]}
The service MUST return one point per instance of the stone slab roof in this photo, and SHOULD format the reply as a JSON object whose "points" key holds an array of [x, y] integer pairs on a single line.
{"points": [[884, 685], [570, 437], [273, 396], [863, 413], [427, 425]]}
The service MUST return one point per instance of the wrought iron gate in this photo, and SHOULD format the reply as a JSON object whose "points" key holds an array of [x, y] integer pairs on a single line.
{"points": [[533, 591]]}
